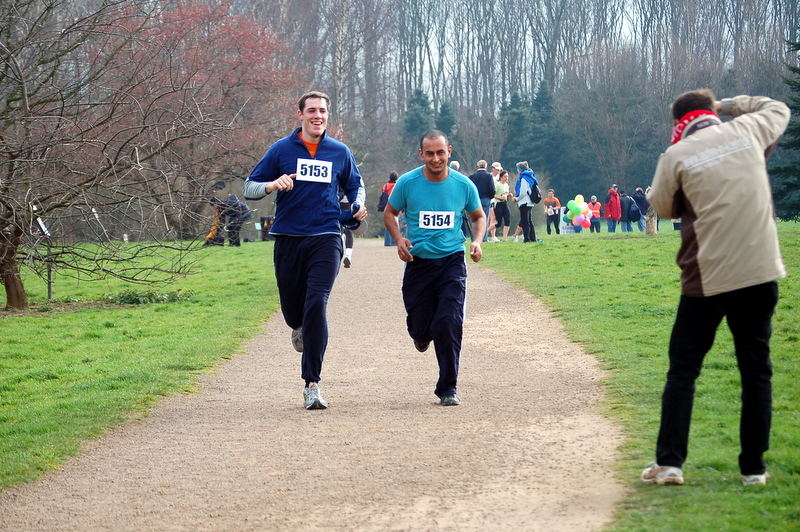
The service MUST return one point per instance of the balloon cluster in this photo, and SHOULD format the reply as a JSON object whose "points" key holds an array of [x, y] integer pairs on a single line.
{"points": [[578, 212]]}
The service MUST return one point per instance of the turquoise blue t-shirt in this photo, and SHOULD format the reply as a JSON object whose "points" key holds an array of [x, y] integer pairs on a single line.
{"points": [[433, 211]]}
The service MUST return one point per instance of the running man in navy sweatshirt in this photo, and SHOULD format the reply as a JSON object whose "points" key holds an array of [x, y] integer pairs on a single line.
{"points": [[307, 169]]}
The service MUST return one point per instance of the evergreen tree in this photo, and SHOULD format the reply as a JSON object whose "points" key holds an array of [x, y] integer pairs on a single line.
{"points": [[786, 177], [446, 119], [546, 139], [419, 116], [516, 121]]}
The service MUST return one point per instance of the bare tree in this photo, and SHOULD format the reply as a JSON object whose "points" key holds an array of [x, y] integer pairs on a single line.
{"points": [[109, 119]]}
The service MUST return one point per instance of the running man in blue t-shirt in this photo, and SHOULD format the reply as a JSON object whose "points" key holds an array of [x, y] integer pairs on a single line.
{"points": [[435, 278]]}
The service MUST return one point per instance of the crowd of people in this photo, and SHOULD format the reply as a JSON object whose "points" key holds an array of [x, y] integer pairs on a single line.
{"points": [[497, 197]]}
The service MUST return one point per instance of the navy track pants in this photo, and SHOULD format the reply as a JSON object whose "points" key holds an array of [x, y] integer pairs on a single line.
{"points": [[434, 292], [306, 268]]}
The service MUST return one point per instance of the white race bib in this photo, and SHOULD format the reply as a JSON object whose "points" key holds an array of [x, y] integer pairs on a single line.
{"points": [[436, 219], [314, 170]]}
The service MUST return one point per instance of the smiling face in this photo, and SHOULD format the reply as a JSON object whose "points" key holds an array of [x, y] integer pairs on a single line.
{"points": [[313, 119], [434, 153]]}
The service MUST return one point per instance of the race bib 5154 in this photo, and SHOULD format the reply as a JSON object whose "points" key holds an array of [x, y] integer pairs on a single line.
{"points": [[314, 170], [436, 219]]}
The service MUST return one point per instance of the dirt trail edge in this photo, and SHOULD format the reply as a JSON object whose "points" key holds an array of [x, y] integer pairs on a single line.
{"points": [[527, 449]]}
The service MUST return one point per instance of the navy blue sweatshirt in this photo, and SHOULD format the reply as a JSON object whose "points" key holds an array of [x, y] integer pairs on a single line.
{"points": [[484, 182], [312, 206]]}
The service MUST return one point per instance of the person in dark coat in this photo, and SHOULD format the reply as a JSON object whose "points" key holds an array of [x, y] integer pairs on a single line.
{"points": [[484, 182], [641, 202], [625, 202], [237, 213]]}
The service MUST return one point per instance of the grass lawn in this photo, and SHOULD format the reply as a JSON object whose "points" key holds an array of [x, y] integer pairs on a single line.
{"points": [[68, 374], [617, 295]]}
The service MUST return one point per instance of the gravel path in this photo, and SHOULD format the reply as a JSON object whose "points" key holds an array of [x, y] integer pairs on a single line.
{"points": [[526, 450]]}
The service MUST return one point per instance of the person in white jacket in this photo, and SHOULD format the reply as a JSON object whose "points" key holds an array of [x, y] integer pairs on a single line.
{"points": [[729, 267]]}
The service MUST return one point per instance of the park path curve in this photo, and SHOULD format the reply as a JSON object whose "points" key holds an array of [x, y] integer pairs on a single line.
{"points": [[526, 450]]}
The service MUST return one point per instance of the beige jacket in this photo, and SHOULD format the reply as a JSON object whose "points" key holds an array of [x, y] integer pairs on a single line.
{"points": [[716, 181]]}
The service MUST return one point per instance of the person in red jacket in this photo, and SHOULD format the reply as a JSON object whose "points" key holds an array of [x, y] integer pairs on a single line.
{"points": [[387, 189], [613, 208]]}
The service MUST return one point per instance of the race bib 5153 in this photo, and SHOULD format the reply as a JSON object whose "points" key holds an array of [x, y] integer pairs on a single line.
{"points": [[436, 219], [314, 170]]}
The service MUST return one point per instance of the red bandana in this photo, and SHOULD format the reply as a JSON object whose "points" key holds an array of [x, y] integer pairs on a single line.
{"points": [[686, 119]]}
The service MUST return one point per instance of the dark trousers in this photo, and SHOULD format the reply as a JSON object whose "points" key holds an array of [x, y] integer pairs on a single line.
{"points": [[595, 225], [466, 224], [749, 314], [502, 215], [528, 232], [233, 233], [305, 268], [486, 205], [554, 219], [433, 293]]}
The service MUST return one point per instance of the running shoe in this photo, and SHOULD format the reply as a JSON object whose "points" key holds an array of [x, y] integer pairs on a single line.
{"points": [[422, 346], [756, 480], [450, 400], [297, 340], [662, 475], [312, 398]]}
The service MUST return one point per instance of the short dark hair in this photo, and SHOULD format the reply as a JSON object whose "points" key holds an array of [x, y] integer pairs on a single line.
{"points": [[433, 134], [301, 103], [692, 101], [392, 177]]}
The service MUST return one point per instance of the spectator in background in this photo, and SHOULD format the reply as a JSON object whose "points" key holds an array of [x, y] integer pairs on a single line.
{"points": [[522, 189], [387, 189], [237, 213], [644, 206], [612, 208], [501, 211], [552, 210], [625, 202], [466, 220], [491, 221], [597, 211], [485, 184]]}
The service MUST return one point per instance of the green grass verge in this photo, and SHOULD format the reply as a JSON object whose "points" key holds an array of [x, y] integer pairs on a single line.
{"points": [[68, 374], [617, 295]]}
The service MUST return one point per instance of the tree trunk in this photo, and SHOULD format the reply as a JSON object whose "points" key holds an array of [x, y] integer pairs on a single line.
{"points": [[9, 270]]}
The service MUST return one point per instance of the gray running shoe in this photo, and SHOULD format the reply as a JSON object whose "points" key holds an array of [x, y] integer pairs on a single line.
{"points": [[662, 475], [422, 346], [297, 340], [450, 400], [312, 398], [756, 480]]}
